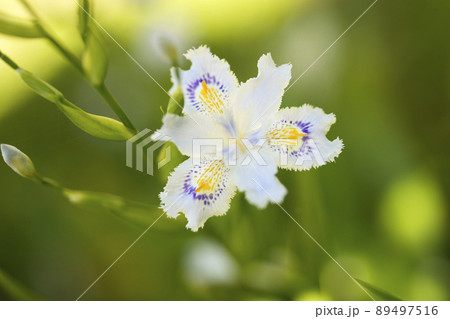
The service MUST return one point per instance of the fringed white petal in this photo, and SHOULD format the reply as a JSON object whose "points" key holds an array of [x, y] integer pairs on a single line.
{"points": [[259, 98], [258, 181], [198, 190], [298, 139], [208, 85], [190, 132]]}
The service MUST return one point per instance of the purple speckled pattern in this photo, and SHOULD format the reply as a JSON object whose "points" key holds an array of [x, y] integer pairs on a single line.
{"points": [[306, 148], [207, 197], [303, 126], [210, 80]]}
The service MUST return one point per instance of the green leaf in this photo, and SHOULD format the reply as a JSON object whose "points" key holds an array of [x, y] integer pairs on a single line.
{"points": [[95, 58], [380, 293], [19, 27], [15, 290], [95, 125], [84, 12]]}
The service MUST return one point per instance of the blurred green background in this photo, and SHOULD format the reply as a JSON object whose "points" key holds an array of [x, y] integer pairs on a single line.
{"points": [[382, 210]]}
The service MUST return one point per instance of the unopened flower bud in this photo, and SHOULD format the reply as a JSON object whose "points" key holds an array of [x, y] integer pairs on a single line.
{"points": [[18, 161]]}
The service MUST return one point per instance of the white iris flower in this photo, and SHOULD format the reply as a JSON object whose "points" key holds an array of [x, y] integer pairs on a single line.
{"points": [[254, 136]]}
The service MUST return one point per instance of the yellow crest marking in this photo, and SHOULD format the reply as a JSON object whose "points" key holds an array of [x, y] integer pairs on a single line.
{"points": [[211, 99], [284, 136], [209, 178]]}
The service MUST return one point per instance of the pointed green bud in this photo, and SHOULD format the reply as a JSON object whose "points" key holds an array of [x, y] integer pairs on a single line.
{"points": [[95, 58], [19, 27], [170, 50], [84, 12], [95, 125], [176, 100], [166, 46], [19, 162], [39, 86]]}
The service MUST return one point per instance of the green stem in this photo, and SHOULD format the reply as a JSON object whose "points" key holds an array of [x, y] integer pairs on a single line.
{"points": [[8, 61], [115, 106], [49, 182], [101, 89], [71, 57]]}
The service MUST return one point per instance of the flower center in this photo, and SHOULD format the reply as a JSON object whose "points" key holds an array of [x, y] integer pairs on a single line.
{"points": [[211, 98], [209, 177]]}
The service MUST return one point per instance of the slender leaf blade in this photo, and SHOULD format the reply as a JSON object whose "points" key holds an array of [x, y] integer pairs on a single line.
{"points": [[15, 290], [380, 293]]}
